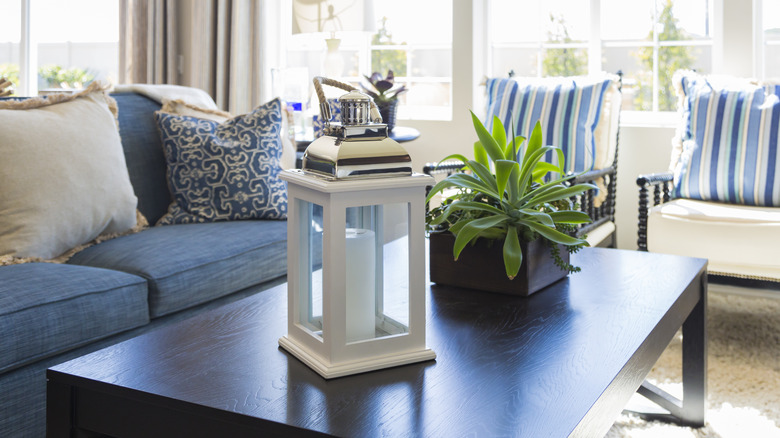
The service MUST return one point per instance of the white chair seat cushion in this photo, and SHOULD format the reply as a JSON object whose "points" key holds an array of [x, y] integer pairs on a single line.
{"points": [[737, 239]]}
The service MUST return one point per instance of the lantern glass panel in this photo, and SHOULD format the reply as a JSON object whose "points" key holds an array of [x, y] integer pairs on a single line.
{"points": [[377, 271], [310, 272]]}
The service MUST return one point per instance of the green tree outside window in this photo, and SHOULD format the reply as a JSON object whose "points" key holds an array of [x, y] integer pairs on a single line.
{"points": [[564, 61], [385, 60], [670, 59]]}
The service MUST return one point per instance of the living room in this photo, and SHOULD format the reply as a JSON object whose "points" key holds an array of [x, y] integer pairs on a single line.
{"points": [[448, 58]]}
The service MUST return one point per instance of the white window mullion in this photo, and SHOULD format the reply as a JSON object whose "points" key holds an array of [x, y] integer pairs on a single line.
{"points": [[28, 54], [594, 43], [758, 40]]}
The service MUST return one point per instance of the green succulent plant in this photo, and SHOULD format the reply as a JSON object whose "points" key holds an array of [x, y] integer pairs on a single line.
{"points": [[505, 196]]}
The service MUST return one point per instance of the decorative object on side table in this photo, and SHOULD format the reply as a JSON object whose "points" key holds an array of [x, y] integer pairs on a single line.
{"points": [[385, 96], [355, 253], [5, 87], [505, 208]]}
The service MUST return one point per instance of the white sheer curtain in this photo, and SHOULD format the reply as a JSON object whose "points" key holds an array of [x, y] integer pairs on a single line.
{"points": [[214, 45]]}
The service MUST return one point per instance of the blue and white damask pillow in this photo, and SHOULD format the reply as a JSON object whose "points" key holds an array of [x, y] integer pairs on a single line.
{"points": [[227, 171]]}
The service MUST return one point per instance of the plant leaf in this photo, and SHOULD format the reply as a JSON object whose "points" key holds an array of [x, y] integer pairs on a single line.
{"points": [[528, 166], [467, 181], [534, 141], [539, 216], [570, 217], [472, 229], [560, 193], [439, 186], [457, 157], [493, 150], [484, 174], [542, 168], [553, 234], [480, 155], [514, 182], [499, 135], [471, 205], [504, 170], [513, 253], [517, 145]]}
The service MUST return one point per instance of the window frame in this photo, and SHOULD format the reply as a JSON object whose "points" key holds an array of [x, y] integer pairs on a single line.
{"points": [[595, 46]]}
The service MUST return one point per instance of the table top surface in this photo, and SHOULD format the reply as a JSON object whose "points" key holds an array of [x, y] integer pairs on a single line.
{"points": [[505, 365]]}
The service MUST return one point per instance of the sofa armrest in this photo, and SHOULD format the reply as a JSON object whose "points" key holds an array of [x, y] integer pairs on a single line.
{"points": [[662, 185]]}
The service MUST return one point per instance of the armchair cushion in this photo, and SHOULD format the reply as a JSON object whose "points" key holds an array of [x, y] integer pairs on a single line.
{"points": [[579, 114], [726, 149], [738, 240]]}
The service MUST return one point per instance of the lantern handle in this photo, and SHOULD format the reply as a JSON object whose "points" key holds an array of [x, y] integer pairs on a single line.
{"points": [[325, 111]]}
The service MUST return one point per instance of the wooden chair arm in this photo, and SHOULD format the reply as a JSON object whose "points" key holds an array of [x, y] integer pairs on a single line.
{"points": [[662, 186]]}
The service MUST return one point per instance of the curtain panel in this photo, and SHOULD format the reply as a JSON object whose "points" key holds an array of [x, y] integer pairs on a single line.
{"points": [[147, 41], [214, 45]]}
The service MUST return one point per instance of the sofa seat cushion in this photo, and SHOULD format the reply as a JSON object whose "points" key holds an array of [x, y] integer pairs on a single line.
{"points": [[738, 240], [47, 308], [193, 263]]}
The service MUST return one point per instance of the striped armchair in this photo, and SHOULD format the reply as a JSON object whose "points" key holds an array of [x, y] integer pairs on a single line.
{"points": [[580, 115], [720, 198]]}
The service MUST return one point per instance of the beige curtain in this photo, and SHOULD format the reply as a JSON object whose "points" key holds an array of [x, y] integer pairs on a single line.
{"points": [[147, 41], [215, 43]]}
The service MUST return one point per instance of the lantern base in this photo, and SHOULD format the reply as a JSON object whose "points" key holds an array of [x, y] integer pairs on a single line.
{"points": [[330, 371]]}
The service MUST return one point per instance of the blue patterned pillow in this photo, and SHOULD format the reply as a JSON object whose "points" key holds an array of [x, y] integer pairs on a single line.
{"points": [[729, 140], [569, 110], [228, 171]]}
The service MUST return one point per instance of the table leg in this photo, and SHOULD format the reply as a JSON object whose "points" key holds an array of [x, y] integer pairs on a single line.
{"points": [[59, 410], [690, 410], [694, 362]]}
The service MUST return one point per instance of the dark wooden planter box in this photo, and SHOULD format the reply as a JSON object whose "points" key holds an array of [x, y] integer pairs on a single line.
{"points": [[481, 266]]}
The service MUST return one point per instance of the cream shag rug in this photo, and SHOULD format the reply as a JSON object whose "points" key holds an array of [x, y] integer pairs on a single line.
{"points": [[743, 380]]}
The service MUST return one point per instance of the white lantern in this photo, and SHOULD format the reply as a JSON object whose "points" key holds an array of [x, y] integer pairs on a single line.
{"points": [[355, 254]]}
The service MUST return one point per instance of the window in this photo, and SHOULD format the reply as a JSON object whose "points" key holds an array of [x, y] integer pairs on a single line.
{"points": [[71, 43], [770, 19], [645, 39], [416, 48]]}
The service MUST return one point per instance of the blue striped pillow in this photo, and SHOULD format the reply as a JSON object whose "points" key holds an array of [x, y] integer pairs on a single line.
{"points": [[729, 140], [568, 109]]}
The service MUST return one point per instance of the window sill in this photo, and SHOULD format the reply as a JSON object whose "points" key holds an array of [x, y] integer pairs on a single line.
{"points": [[648, 119]]}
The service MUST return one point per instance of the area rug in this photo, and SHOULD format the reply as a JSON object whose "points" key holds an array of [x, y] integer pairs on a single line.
{"points": [[743, 374]]}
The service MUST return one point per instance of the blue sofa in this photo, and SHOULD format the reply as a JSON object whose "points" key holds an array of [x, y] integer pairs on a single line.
{"points": [[51, 313]]}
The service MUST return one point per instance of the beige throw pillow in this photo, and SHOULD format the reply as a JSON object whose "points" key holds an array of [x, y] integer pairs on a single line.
{"points": [[63, 178]]}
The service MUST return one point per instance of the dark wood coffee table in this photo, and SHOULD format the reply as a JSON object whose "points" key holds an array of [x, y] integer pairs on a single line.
{"points": [[562, 362]]}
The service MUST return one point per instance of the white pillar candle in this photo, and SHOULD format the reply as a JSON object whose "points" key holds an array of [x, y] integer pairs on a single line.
{"points": [[360, 281]]}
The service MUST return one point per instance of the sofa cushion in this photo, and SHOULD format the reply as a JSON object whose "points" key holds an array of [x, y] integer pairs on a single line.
{"points": [[737, 239], [728, 141], [143, 153], [228, 171], [194, 263], [48, 308], [63, 174]]}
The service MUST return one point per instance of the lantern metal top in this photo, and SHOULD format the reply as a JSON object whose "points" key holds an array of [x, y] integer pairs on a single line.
{"points": [[359, 147]]}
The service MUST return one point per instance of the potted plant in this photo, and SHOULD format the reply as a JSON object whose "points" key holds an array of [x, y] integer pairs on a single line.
{"points": [[503, 215], [385, 95]]}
